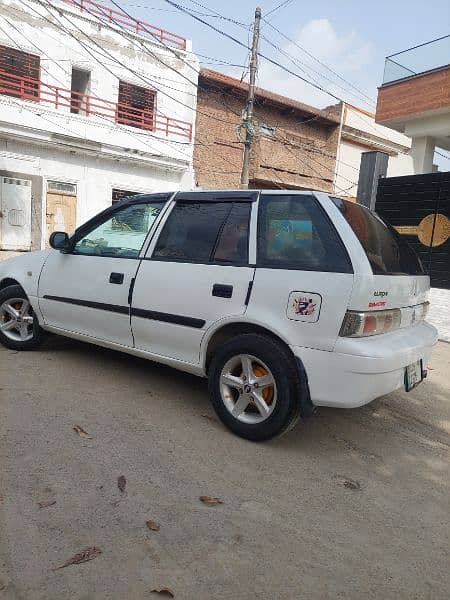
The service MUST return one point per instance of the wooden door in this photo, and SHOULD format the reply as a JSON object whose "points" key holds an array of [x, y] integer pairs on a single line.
{"points": [[61, 212]]}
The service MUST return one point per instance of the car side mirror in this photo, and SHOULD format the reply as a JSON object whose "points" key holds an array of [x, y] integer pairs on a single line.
{"points": [[59, 240]]}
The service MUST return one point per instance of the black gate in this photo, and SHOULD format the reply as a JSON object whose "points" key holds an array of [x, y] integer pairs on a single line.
{"points": [[418, 206]]}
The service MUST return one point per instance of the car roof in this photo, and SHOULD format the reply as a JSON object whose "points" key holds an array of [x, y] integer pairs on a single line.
{"points": [[213, 195]]}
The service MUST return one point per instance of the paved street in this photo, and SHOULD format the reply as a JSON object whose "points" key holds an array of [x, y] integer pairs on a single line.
{"points": [[351, 504], [439, 314]]}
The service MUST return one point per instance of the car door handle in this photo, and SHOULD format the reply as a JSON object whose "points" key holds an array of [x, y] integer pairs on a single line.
{"points": [[116, 278], [222, 291]]}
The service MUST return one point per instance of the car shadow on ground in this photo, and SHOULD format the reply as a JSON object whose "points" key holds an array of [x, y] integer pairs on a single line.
{"points": [[400, 431], [397, 414]]}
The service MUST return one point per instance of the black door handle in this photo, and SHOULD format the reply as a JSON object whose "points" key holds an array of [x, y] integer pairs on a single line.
{"points": [[222, 291], [116, 278]]}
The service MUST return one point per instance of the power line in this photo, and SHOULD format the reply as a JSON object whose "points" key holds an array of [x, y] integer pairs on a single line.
{"points": [[213, 13], [317, 60], [270, 60], [170, 49], [209, 116], [240, 43], [129, 133], [282, 5], [104, 52], [145, 79], [303, 67], [118, 6]]}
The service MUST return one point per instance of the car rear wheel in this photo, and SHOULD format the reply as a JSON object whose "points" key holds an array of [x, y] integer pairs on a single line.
{"points": [[19, 327], [254, 387]]}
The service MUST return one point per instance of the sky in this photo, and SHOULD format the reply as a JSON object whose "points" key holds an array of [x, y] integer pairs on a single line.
{"points": [[352, 37]]}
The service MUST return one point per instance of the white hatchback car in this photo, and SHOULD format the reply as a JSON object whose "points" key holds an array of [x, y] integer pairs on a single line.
{"points": [[284, 300]]}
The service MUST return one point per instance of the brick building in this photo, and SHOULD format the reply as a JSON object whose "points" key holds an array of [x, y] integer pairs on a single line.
{"points": [[294, 147]]}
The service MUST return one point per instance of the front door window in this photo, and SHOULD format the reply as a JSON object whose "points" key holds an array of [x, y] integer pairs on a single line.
{"points": [[122, 234]]}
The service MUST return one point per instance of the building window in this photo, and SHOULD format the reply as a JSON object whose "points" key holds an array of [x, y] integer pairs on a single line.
{"points": [[136, 106], [79, 90], [60, 187], [19, 73], [266, 130]]}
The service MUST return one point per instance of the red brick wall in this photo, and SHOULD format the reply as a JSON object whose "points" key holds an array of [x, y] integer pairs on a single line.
{"points": [[307, 159], [413, 96]]}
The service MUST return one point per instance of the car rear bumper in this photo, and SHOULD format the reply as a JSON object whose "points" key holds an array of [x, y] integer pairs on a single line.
{"points": [[362, 369]]}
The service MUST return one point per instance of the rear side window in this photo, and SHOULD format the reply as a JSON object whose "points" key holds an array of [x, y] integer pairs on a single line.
{"points": [[387, 252], [206, 232], [232, 246], [294, 232]]}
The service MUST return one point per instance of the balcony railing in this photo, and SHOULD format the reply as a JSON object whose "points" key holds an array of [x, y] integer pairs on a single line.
{"points": [[26, 88], [118, 17], [419, 59]]}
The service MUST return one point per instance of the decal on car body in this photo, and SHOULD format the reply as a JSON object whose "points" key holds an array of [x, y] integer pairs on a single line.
{"points": [[304, 306]]}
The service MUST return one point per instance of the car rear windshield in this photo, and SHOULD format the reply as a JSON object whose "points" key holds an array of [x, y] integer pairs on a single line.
{"points": [[387, 252]]}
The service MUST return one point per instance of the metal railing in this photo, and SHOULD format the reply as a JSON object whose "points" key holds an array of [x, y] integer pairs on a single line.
{"points": [[419, 59], [121, 19], [27, 88]]}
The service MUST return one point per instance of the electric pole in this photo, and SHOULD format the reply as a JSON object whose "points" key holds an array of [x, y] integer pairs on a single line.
{"points": [[248, 116]]}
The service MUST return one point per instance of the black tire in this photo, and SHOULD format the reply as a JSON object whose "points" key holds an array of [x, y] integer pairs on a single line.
{"points": [[38, 334], [280, 362]]}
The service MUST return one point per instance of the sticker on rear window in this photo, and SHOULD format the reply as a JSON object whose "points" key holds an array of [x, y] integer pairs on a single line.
{"points": [[304, 306]]}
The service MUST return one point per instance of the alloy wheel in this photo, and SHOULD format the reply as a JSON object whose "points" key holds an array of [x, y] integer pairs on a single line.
{"points": [[16, 319], [248, 388]]}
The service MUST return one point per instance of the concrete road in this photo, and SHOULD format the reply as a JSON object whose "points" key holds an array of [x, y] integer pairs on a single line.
{"points": [[352, 504]]}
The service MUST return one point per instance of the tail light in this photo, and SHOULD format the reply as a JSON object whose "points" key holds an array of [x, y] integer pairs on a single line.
{"points": [[362, 324]]}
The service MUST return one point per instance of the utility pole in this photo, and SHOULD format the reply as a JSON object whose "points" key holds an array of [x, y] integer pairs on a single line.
{"points": [[248, 116]]}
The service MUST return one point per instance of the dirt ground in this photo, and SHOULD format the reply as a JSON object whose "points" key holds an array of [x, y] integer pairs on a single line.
{"points": [[352, 504]]}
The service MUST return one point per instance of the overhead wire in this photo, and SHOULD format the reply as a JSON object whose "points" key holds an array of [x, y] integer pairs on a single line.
{"points": [[208, 115], [279, 6], [193, 143], [145, 79], [75, 134], [316, 59], [120, 8], [270, 60]]}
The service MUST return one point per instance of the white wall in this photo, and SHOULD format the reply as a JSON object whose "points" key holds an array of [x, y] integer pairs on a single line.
{"points": [[361, 134], [94, 177], [95, 153], [59, 52]]}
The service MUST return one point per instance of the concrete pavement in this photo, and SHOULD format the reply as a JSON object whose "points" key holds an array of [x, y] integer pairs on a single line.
{"points": [[351, 504]]}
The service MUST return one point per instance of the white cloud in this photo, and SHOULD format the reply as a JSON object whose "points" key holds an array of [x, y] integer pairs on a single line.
{"points": [[347, 54]]}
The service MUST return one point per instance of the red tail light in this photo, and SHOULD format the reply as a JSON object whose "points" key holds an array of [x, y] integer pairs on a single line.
{"points": [[362, 324]]}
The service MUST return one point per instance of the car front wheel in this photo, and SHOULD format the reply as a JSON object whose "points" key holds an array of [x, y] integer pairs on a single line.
{"points": [[254, 387], [19, 327]]}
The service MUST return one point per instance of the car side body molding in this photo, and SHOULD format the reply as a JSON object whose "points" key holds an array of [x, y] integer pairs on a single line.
{"points": [[135, 312]]}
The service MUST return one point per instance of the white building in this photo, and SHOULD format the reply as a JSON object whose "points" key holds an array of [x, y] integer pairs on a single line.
{"points": [[93, 105], [360, 133]]}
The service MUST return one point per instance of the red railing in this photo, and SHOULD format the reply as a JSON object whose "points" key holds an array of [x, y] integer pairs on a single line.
{"points": [[121, 19], [26, 88]]}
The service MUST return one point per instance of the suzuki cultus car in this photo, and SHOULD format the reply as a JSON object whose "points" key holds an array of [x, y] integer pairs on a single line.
{"points": [[284, 300]]}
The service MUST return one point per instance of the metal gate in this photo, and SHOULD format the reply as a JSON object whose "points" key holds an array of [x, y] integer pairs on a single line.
{"points": [[418, 206], [15, 214]]}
